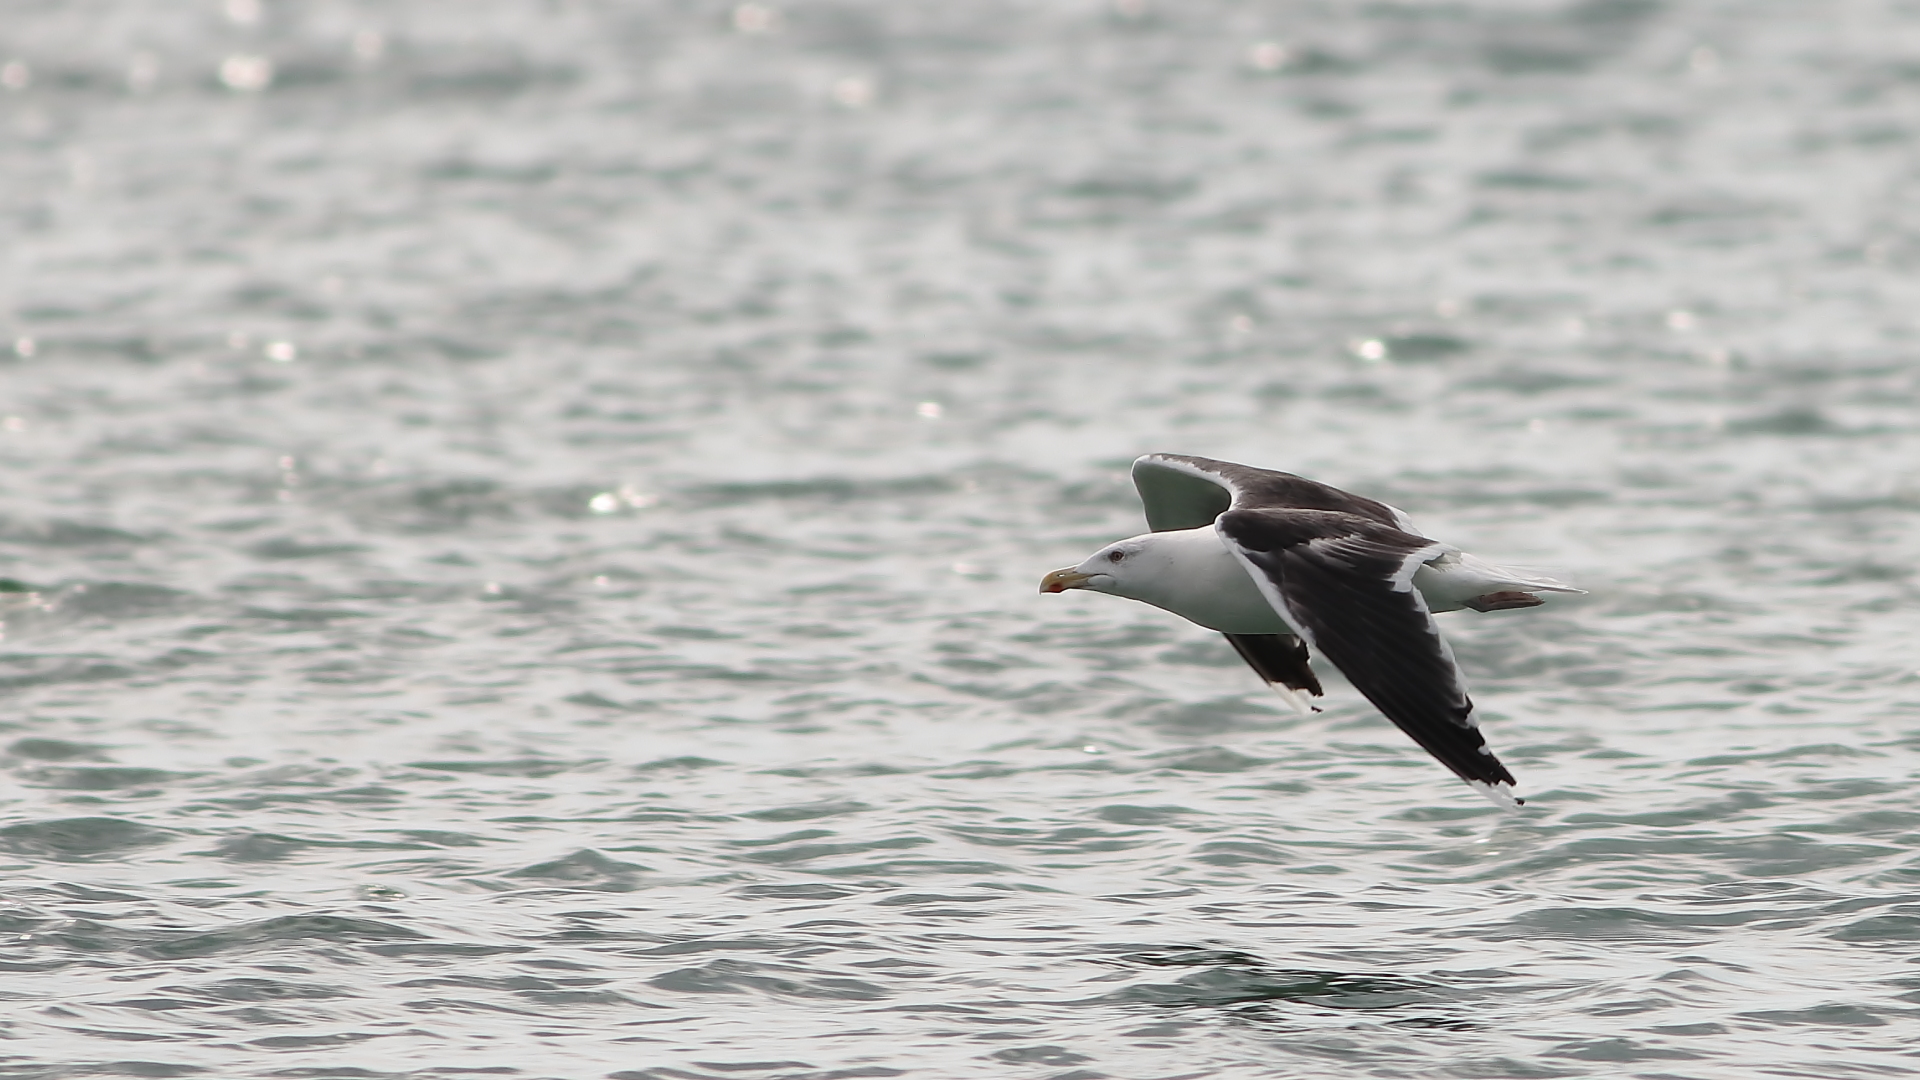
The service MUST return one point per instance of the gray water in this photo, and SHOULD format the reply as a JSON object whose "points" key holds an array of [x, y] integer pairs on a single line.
{"points": [[524, 521]]}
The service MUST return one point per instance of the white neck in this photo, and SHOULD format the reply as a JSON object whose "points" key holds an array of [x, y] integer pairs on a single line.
{"points": [[1191, 573]]}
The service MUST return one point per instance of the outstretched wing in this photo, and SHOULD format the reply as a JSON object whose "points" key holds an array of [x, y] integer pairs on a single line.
{"points": [[1345, 583], [1182, 492]]}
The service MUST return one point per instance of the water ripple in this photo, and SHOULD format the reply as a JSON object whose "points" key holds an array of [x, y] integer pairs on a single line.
{"points": [[523, 524]]}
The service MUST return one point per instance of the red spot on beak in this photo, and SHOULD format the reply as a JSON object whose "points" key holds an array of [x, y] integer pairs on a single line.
{"points": [[1062, 580]]}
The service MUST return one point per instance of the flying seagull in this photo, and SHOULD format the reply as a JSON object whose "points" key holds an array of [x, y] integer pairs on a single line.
{"points": [[1278, 563]]}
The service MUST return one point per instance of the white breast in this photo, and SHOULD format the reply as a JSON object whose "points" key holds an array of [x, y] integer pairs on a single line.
{"points": [[1191, 573]]}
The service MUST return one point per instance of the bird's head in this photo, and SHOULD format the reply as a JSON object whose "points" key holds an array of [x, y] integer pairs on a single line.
{"points": [[1109, 570]]}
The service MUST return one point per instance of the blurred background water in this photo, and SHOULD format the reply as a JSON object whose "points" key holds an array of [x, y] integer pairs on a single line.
{"points": [[523, 520]]}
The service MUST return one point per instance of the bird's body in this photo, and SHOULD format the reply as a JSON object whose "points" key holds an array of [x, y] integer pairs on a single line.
{"points": [[1274, 560], [1197, 578], [1209, 586]]}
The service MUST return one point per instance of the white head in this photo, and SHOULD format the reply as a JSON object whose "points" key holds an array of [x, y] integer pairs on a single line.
{"points": [[1186, 571], [1134, 568]]}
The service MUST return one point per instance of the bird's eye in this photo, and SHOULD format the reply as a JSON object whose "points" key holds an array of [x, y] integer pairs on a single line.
{"points": [[1116, 556]]}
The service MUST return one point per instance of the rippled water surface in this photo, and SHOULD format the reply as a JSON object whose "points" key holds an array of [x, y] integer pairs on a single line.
{"points": [[522, 521]]}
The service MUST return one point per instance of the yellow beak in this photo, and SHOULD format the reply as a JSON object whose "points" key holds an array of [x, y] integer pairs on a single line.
{"points": [[1062, 580]]}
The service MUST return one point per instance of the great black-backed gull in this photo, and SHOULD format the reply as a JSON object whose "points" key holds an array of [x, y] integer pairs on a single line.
{"points": [[1278, 563]]}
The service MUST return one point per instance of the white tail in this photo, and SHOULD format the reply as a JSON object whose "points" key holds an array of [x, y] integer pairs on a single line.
{"points": [[1457, 579], [1525, 578]]}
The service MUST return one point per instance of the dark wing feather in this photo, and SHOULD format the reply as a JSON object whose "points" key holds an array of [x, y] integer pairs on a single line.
{"points": [[1277, 658], [1184, 492], [1345, 582]]}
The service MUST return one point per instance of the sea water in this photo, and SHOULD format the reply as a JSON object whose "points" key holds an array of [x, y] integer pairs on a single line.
{"points": [[522, 523]]}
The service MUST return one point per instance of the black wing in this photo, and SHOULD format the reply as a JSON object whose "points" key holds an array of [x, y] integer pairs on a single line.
{"points": [[1277, 658], [1345, 582], [1182, 492]]}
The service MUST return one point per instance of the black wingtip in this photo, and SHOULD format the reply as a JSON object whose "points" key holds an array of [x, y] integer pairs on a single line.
{"points": [[1278, 658], [1500, 794]]}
